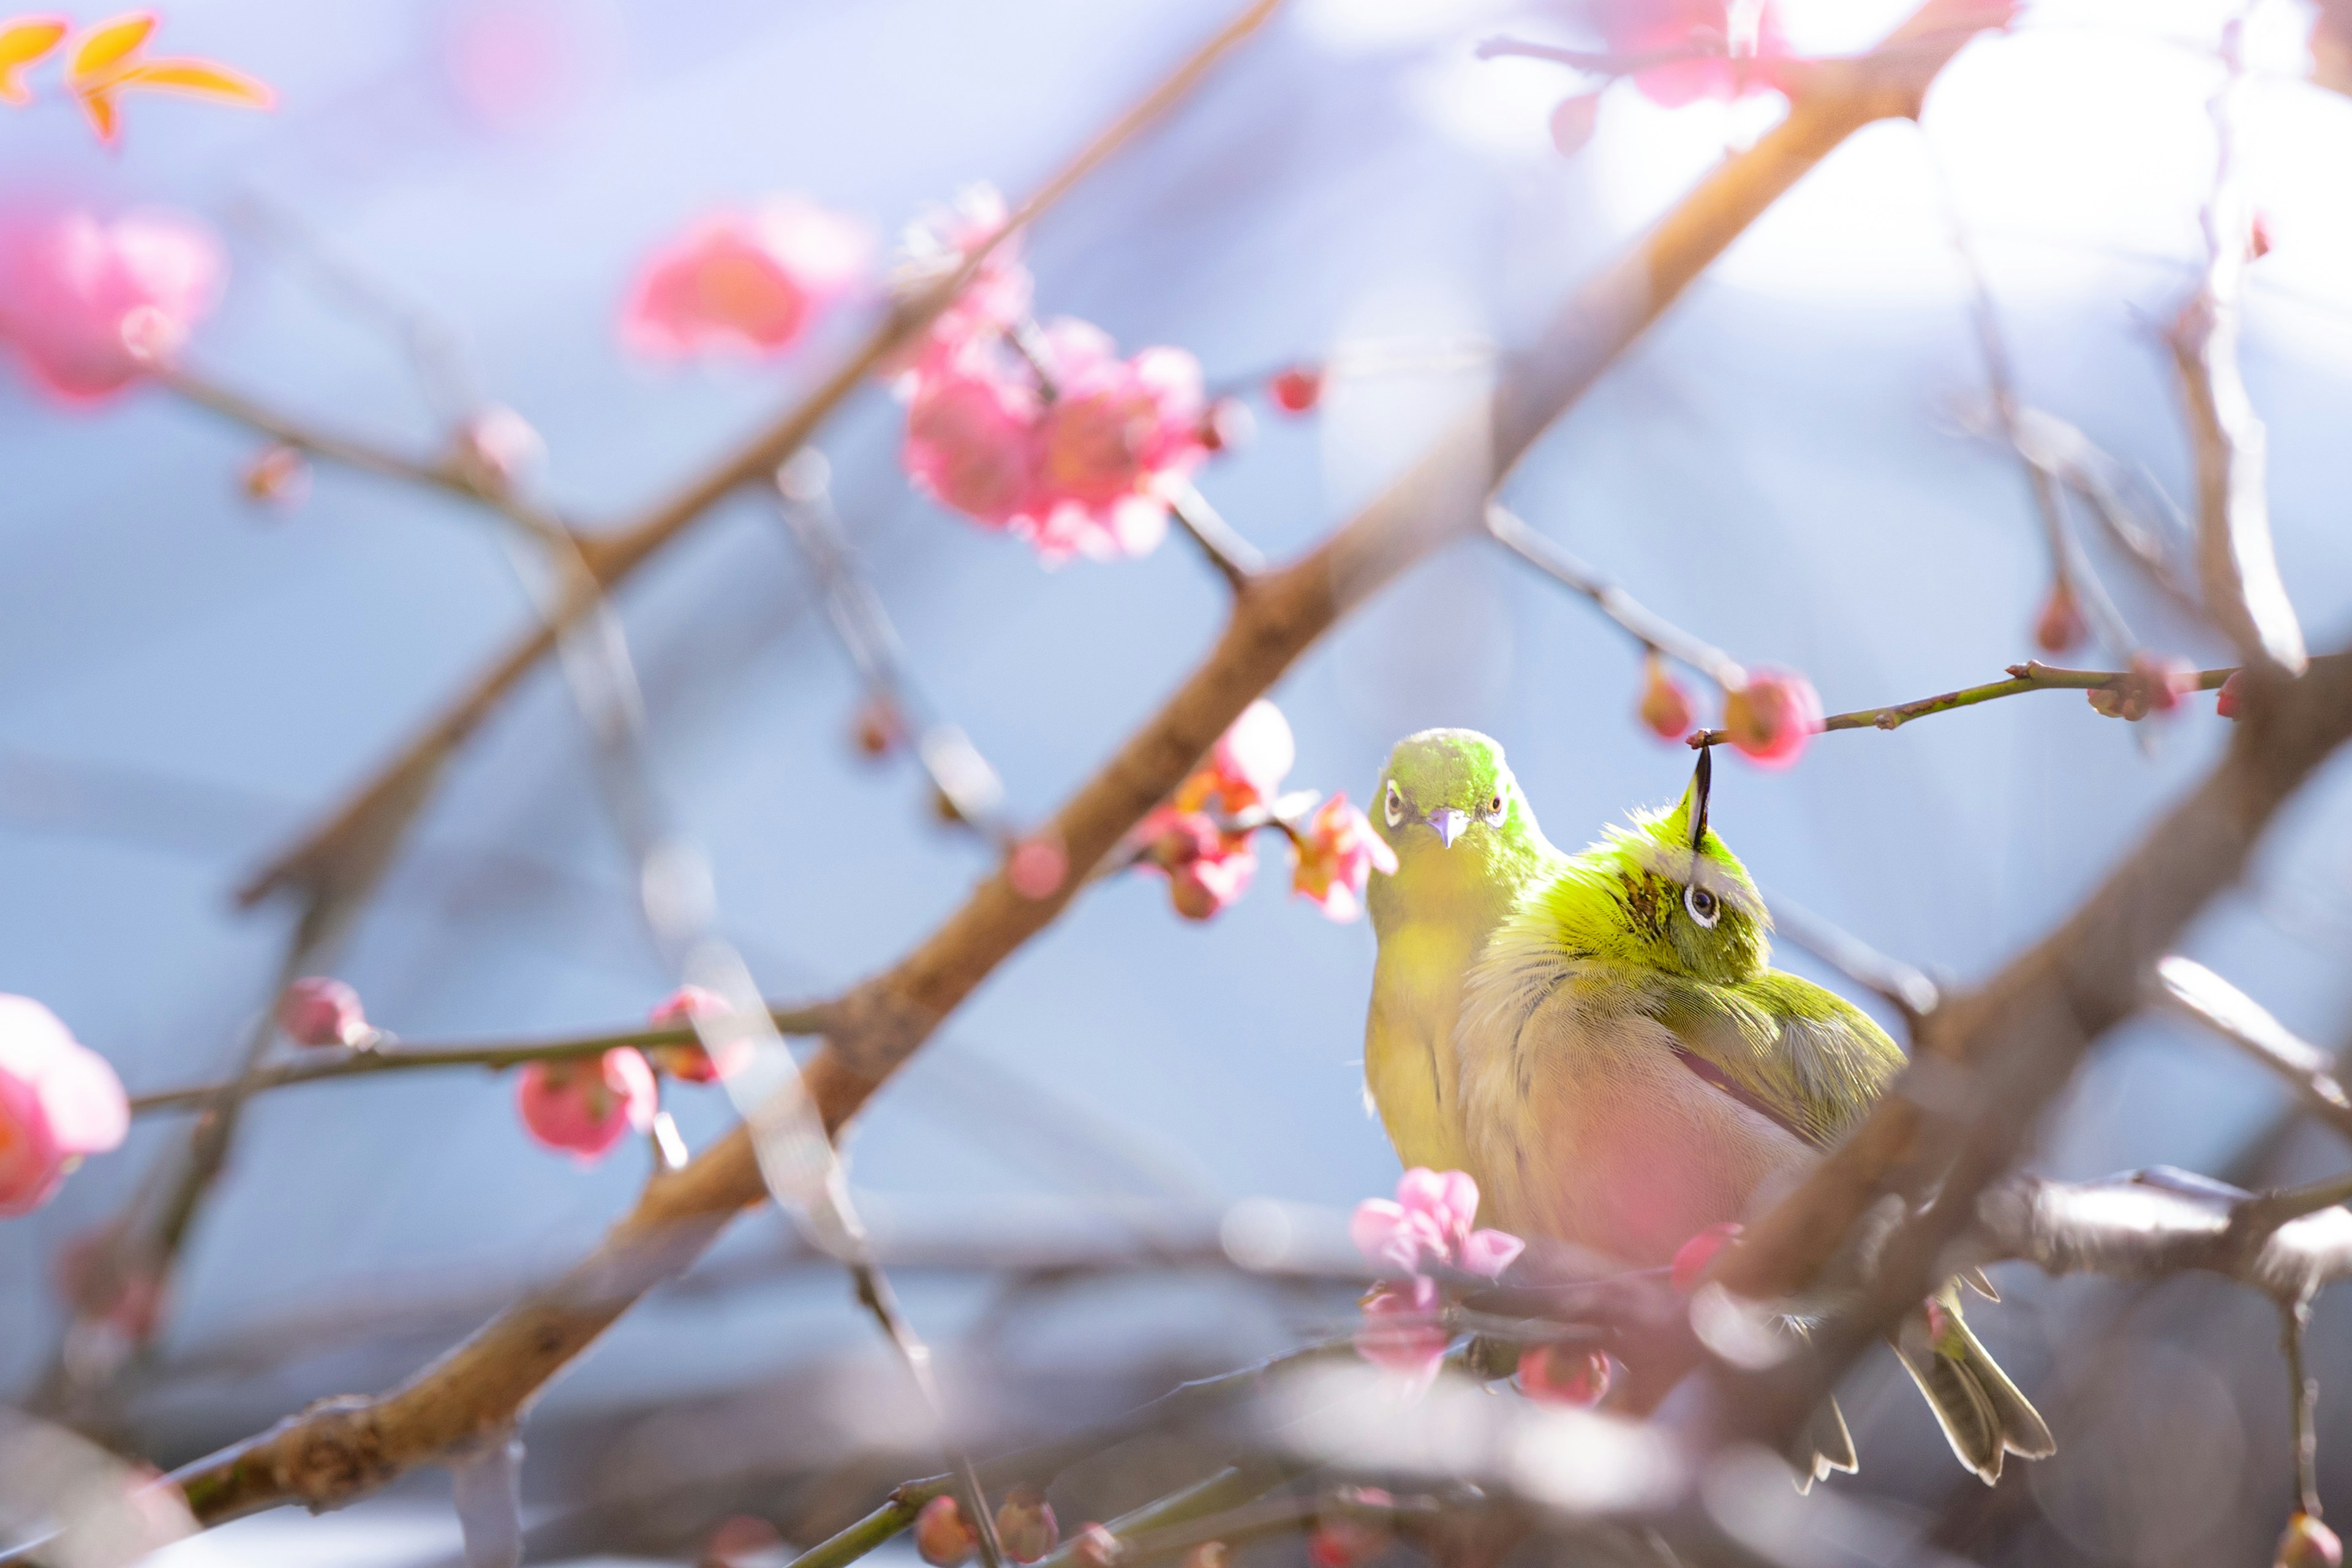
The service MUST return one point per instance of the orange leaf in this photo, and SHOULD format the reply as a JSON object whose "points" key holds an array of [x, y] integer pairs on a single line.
{"points": [[23, 40], [108, 42], [199, 78], [98, 102]]}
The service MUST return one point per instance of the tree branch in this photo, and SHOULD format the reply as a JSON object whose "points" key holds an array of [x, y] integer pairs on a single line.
{"points": [[2030, 676], [2195, 992], [341, 1448], [1646, 626]]}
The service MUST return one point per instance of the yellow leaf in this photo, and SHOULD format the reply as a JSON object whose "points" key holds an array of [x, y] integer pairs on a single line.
{"points": [[23, 40], [108, 42], [199, 78], [98, 102]]}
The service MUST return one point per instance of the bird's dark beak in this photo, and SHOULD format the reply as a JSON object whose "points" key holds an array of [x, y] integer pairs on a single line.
{"points": [[1448, 822]]}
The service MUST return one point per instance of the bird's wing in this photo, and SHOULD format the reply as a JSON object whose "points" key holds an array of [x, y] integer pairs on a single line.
{"points": [[1803, 1056]]}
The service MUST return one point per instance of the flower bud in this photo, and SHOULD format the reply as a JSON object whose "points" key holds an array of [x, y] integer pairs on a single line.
{"points": [[1564, 1374], [1094, 1547], [1298, 389], [942, 1538], [1026, 1525], [2308, 1544], [2060, 624], [878, 728], [1771, 717], [688, 1062], [2226, 701], [1344, 1541], [2258, 237], [737, 1541], [1039, 867], [497, 448], [1574, 121], [2152, 685], [1692, 1257], [1208, 1554], [279, 475], [584, 1105], [319, 1011], [1666, 707]]}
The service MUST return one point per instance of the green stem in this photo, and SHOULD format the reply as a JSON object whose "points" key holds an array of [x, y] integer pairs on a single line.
{"points": [[2023, 678], [357, 1063], [873, 1531]]}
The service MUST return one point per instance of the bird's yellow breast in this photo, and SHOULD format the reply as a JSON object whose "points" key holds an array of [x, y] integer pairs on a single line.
{"points": [[1409, 1067]]}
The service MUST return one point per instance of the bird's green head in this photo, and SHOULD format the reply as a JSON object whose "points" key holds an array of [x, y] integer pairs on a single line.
{"points": [[1447, 804], [1680, 900]]}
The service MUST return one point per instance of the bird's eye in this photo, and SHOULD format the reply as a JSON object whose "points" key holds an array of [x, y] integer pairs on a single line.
{"points": [[1702, 906], [1495, 812], [1395, 810]]}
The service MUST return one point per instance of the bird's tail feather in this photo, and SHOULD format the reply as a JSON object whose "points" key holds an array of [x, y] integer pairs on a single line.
{"points": [[1824, 1444], [1982, 1412]]}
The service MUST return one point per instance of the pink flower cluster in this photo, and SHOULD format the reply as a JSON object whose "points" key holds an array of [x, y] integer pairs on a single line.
{"points": [[1047, 433], [87, 304], [1430, 1223], [1702, 29], [1203, 838], [58, 1101], [744, 281]]}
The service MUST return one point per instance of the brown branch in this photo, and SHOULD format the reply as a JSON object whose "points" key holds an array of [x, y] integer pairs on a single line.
{"points": [[2195, 992], [342, 1448], [1235, 558], [343, 855], [2236, 564], [2030, 676]]}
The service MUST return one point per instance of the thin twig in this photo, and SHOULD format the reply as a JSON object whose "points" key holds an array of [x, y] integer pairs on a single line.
{"points": [[1907, 988], [1235, 558], [2302, 1404], [2195, 992], [2031, 676], [1647, 627]]}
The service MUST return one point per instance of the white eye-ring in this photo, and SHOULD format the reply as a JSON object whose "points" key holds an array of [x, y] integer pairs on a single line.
{"points": [[1395, 809], [1496, 809], [1703, 907]]}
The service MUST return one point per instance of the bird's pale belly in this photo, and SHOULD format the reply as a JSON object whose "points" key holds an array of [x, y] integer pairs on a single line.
{"points": [[1620, 1148]]}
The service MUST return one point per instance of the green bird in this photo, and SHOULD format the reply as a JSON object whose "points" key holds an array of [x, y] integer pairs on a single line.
{"points": [[1601, 1041]]}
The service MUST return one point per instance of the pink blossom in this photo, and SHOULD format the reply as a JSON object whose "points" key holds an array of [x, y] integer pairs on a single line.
{"points": [[318, 1010], [744, 280], [969, 439], [86, 302], [1208, 867], [1117, 438], [1400, 1332], [1771, 717], [58, 1101], [1334, 855], [2226, 701], [1700, 27], [992, 303], [584, 1107], [1039, 867], [1430, 1223], [689, 1062], [1246, 766], [1564, 1374], [1026, 1525]]}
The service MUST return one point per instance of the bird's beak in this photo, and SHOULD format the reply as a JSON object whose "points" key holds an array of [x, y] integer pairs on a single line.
{"points": [[1448, 822]]}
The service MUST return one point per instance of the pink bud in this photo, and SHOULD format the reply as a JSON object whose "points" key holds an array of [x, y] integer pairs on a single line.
{"points": [[497, 448], [1026, 1525], [1665, 708], [1298, 389], [320, 1011], [89, 305], [1564, 1374], [744, 283], [942, 1538], [1690, 1259], [689, 1062], [2153, 685], [2060, 626], [277, 476], [585, 1106], [1208, 1554], [878, 728], [2258, 238], [1094, 1547], [2225, 702], [1574, 121], [1341, 1541], [58, 1101], [1039, 867], [2308, 1544], [1771, 717]]}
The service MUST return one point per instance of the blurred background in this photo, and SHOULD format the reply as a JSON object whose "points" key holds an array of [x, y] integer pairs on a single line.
{"points": [[1790, 467]]}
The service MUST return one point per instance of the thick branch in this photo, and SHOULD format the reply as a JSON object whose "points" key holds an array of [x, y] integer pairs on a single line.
{"points": [[337, 1451]]}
